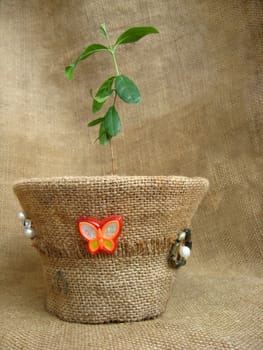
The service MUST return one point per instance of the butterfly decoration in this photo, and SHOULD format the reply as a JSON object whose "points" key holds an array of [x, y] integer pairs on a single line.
{"points": [[101, 235]]}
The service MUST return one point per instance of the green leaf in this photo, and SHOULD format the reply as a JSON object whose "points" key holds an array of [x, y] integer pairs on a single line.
{"points": [[127, 90], [95, 121], [96, 106], [104, 92], [112, 123], [69, 71], [90, 50], [104, 138], [134, 34], [103, 30]]}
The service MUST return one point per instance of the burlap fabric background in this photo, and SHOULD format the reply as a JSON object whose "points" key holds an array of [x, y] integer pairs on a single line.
{"points": [[200, 116]]}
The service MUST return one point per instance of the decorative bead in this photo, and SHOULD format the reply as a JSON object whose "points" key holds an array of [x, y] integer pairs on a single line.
{"points": [[182, 236], [188, 234], [21, 216], [179, 263], [27, 223], [189, 244], [29, 232], [185, 252]]}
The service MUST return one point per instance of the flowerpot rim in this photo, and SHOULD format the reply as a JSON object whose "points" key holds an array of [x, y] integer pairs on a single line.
{"points": [[108, 178]]}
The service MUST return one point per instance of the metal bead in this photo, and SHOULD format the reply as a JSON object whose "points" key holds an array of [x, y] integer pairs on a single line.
{"points": [[188, 233], [21, 216], [29, 232], [27, 223], [189, 244]]}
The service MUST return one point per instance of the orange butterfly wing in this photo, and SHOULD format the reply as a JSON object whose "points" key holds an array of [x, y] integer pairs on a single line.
{"points": [[90, 233], [111, 229]]}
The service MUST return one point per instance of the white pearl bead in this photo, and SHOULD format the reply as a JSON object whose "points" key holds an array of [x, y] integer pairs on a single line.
{"points": [[29, 232], [185, 252], [21, 216]]}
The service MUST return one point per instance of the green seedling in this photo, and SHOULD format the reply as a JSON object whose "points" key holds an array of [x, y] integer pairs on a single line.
{"points": [[117, 85]]}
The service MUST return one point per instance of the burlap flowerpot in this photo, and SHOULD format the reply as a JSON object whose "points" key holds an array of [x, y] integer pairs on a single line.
{"points": [[134, 282]]}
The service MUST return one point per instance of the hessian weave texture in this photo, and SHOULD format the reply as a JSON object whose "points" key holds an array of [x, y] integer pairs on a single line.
{"points": [[200, 115], [134, 283]]}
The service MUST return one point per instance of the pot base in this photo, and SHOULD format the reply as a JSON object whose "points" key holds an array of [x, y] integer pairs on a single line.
{"points": [[107, 289]]}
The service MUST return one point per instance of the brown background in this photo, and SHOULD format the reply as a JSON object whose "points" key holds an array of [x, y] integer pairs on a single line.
{"points": [[200, 116]]}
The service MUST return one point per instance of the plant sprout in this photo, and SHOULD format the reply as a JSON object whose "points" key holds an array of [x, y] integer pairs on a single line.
{"points": [[119, 85]]}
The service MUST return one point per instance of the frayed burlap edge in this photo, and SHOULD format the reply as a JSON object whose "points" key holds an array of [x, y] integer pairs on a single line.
{"points": [[153, 246]]}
